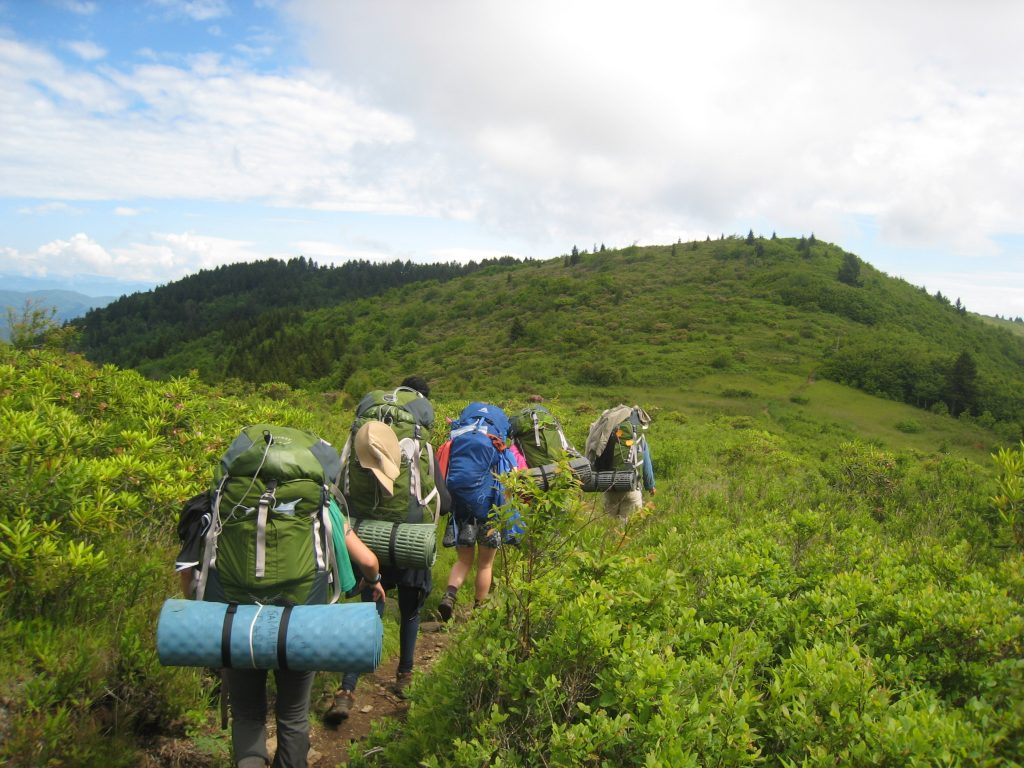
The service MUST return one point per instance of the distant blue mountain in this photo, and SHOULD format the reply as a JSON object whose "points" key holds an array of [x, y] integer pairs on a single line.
{"points": [[89, 285], [68, 304]]}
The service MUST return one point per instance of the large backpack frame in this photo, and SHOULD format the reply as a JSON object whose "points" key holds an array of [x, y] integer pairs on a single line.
{"points": [[540, 437], [411, 416], [616, 441], [475, 458], [270, 538]]}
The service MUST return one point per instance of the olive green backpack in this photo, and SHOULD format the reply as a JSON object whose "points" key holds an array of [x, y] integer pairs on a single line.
{"points": [[415, 498], [271, 538], [539, 435]]}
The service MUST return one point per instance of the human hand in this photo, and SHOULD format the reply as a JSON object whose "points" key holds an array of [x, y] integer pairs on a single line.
{"points": [[378, 593]]}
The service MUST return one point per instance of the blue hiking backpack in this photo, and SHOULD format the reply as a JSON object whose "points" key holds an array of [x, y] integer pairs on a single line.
{"points": [[478, 453]]}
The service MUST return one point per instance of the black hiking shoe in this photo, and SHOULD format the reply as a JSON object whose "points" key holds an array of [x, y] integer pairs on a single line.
{"points": [[340, 709], [446, 606], [402, 680]]}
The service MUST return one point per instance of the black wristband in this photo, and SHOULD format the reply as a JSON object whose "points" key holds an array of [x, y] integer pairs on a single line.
{"points": [[374, 580]]}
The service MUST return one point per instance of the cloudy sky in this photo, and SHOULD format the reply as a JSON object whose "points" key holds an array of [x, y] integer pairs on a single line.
{"points": [[148, 140]]}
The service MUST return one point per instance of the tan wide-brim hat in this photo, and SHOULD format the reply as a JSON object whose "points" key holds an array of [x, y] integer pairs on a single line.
{"points": [[377, 450]]}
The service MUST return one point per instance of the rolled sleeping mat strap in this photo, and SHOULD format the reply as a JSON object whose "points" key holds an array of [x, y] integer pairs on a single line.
{"points": [[391, 544], [404, 545], [343, 637], [225, 636], [579, 466], [282, 638], [618, 480]]}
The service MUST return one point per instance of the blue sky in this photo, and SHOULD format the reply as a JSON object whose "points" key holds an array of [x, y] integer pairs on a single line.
{"points": [[144, 140]]}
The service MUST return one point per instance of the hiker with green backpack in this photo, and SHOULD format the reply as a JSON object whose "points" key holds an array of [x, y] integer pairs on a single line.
{"points": [[270, 532], [538, 435], [618, 450], [390, 474]]}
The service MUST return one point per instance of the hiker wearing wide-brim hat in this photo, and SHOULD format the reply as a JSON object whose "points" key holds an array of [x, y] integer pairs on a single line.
{"points": [[377, 450], [386, 481]]}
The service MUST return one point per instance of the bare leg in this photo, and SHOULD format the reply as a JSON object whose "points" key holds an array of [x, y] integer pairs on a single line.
{"points": [[484, 567], [460, 569]]}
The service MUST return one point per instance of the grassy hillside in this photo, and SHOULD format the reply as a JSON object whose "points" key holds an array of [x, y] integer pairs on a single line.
{"points": [[640, 317], [812, 583]]}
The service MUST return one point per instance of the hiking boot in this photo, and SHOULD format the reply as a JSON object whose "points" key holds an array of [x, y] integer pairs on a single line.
{"points": [[402, 680], [446, 606], [343, 701]]}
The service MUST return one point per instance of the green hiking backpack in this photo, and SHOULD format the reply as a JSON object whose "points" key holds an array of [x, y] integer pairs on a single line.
{"points": [[615, 441], [271, 537], [539, 435], [415, 499]]}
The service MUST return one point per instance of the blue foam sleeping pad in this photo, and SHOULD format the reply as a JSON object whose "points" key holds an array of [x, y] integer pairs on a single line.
{"points": [[346, 637]]}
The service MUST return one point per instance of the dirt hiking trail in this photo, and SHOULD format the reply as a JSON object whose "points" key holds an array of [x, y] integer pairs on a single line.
{"points": [[329, 747]]}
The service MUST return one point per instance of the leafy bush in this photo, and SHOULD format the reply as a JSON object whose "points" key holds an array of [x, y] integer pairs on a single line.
{"points": [[735, 625]]}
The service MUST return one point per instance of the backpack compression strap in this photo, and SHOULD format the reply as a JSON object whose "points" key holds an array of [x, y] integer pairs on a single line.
{"points": [[210, 543], [411, 450], [263, 512]]}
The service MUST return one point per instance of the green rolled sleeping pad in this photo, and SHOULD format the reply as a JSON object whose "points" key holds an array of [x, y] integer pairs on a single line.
{"points": [[402, 545], [579, 466], [617, 480]]}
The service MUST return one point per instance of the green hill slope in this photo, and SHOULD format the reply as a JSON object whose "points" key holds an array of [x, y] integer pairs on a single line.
{"points": [[652, 317]]}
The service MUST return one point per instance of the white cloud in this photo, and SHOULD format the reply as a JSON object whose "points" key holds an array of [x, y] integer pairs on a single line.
{"points": [[211, 131], [197, 10], [586, 116], [86, 50], [48, 208], [81, 7], [162, 257], [123, 210]]}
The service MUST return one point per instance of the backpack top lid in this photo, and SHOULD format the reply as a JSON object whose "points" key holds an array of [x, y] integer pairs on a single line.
{"points": [[521, 423], [281, 453], [402, 404], [377, 450], [482, 416]]}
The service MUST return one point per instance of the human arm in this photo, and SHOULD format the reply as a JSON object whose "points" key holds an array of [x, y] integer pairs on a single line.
{"points": [[186, 577], [364, 559], [520, 459]]}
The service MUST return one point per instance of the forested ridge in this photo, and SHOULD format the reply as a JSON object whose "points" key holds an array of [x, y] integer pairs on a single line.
{"points": [[140, 329], [639, 316]]}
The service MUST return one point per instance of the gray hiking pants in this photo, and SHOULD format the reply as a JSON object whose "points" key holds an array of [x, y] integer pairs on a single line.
{"points": [[621, 504], [248, 689]]}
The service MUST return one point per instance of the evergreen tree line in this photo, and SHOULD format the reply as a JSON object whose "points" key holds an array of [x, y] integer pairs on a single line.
{"points": [[237, 297]]}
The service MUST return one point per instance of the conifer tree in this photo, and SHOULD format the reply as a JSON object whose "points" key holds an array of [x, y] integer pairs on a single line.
{"points": [[849, 270], [961, 385]]}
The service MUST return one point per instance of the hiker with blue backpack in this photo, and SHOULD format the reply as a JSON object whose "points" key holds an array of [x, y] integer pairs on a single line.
{"points": [[478, 452], [390, 474]]}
